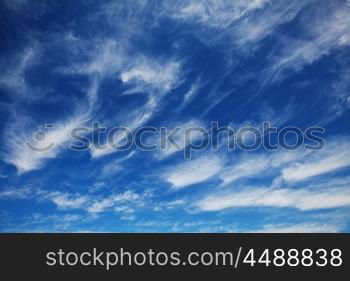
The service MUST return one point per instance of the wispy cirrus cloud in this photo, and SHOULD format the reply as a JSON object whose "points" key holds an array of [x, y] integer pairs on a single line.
{"points": [[145, 76], [339, 94], [14, 70], [192, 172], [255, 27], [216, 14], [324, 30], [289, 166], [333, 158], [151, 76], [15, 193], [243, 24], [111, 201], [179, 137], [302, 199], [65, 200], [103, 57], [21, 132], [123, 201]]}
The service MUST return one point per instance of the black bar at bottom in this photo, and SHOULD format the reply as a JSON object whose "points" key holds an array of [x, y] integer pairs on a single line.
{"points": [[220, 256]]}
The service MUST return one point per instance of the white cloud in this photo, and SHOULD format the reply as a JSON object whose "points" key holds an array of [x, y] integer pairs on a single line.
{"points": [[124, 202], [109, 57], [179, 138], [289, 166], [333, 157], [21, 129], [67, 201], [128, 217], [104, 58], [302, 199], [159, 76], [325, 31], [156, 79], [102, 205], [303, 171], [193, 91], [20, 132], [90, 203], [126, 18], [340, 94], [112, 168], [124, 209], [259, 164], [194, 171], [213, 13], [257, 26], [285, 166], [177, 203], [15, 193], [13, 75], [243, 24], [245, 168]]}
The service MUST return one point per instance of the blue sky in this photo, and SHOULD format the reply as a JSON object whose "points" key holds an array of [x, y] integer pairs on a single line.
{"points": [[173, 64]]}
